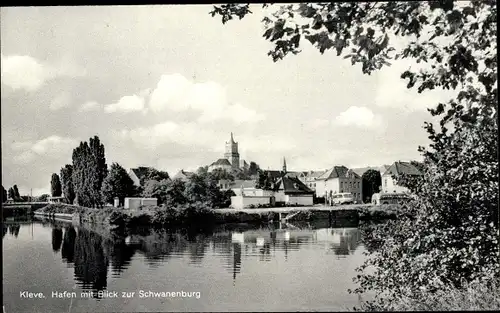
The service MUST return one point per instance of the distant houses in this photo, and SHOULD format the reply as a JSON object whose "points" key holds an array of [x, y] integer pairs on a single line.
{"points": [[394, 172], [310, 178], [286, 191], [339, 179], [284, 187], [290, 190]]}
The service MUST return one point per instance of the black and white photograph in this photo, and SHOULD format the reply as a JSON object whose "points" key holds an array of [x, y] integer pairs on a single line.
{"points": [[250, 157]]}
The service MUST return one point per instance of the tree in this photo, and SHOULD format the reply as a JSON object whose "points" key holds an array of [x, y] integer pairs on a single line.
{"points": [[196, 189], [117, 184], [89, 171], [43, 198], [4, 194], [67, 183], [452, 238], [253, 168], [154, 174], [371, 182], [55, 185], [17, 196], [219, 174], [264, 180], [174, 193], [202, 170], [11, 194]]}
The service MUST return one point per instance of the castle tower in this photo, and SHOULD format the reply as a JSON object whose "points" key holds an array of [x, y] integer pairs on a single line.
{"points": [[284, 165], [232, 154]]}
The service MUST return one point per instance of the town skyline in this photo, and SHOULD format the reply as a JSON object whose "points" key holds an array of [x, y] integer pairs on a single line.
{"points": [[172, 106]]}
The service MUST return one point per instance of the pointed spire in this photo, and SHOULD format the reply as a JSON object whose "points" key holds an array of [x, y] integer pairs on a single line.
{"points": [[232, 140], [284, 165]]}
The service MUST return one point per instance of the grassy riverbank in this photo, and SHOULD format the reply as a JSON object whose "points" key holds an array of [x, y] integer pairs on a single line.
{"points": [[197, 214], [473, 297], [145, 216]]}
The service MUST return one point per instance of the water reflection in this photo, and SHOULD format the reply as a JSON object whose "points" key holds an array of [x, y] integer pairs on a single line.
{"points": [[68, 244], [90, 260], [57, 238], [91, 254], [13, 229]]}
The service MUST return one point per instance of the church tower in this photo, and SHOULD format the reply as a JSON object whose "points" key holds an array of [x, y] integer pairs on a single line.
{"points": [[232, 154], [284, 165]]}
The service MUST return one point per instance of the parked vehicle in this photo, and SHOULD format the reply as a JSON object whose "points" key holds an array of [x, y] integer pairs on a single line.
{"points": [[390, 198], [342, 198]]}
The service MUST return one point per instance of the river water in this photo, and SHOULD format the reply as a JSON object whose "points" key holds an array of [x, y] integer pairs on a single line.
{"points": [[234, 268]]}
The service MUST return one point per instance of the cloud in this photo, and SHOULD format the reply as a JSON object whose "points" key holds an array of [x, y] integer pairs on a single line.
{"points": [[392, 91], [315, 124], [168, 132], [25, 72], [89, 106], [52, 147], [127, 104], [361, 117], [60, 101], [190, 135], [177, 93]]}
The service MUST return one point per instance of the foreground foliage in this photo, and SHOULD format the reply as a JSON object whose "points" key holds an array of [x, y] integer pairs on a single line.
{"points": [[479, 296]]}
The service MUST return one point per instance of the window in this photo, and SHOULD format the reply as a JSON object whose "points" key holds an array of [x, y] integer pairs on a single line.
{"points": [[350, 185], [385, 182], [358, 184]]}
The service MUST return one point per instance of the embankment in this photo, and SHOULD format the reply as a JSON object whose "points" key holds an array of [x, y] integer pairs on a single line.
{"points": [[200, 215]]}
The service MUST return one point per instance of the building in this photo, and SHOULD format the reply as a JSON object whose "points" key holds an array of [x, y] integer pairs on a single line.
{"points": [[183, 175], [135, 203], [222, 164], [60, 199], [287, 191], [242, 187], [247, 195], [232, 154], [224, 184], [139, 174], [231, 160], [391, 175], [310, 178], [361, 170], [291, 191], [339, 179]]}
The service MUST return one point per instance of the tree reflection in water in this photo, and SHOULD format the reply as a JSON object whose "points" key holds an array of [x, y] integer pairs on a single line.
{"points": [[57, 238], [90, 261], [14, 229], [68, 244], [91, 253]]}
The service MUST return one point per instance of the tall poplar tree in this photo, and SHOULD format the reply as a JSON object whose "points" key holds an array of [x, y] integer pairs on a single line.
{"points": [[67, 183], [55, 185], [17, 196], [89, 171]]}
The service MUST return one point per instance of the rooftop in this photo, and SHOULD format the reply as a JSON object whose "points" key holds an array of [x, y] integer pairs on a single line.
{"points": [[337, 172], [221, 162], [400, 167]]}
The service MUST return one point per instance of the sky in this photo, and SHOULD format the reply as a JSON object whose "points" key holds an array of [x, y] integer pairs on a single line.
{"points": [[164, 86]]}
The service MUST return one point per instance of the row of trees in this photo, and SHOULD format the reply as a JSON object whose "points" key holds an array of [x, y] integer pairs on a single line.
{"points": [[200, 187], [13, 194], [89, 182], [453, 237], [83, 179]]}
